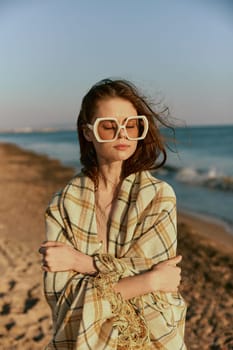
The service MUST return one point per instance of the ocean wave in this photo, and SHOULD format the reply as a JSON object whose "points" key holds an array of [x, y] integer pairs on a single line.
{"points": [[210, 178]]}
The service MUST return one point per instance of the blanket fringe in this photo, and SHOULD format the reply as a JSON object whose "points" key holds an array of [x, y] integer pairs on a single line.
{"points": [[127, 314]]}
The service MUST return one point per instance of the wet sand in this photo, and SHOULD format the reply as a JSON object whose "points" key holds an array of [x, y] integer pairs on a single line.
{"points": [[27, 182]]}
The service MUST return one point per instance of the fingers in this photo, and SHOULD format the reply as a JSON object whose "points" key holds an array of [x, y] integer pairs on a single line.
{"points": [[42, 250], [171, 262], [47, 244], [52, 244], [176, 260], [44, 267]]}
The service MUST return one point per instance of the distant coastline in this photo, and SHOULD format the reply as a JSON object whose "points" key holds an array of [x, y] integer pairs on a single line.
{"points": [[29, 130]]}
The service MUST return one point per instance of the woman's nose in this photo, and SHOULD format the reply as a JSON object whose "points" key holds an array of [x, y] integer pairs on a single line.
{"points": [[122, 133]]}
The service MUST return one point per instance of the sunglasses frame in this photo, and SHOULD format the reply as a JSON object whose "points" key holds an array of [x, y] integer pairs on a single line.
{"points": [[94, 128]]}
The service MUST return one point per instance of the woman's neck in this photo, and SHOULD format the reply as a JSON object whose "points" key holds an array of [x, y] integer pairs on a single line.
{"points": [[109, 177]]}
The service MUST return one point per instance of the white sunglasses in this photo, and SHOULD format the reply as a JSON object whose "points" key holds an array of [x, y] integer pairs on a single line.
{"points": [[107, 129]]}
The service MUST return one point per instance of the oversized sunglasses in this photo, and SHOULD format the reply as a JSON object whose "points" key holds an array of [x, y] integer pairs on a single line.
{"points": [[107, 129]]}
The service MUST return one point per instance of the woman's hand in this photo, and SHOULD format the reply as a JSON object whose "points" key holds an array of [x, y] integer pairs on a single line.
{"points": [[166, 276], [59, 256]]}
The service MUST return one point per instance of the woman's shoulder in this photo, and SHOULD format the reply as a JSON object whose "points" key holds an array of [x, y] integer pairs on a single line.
{"points": [[76, 185], [80, 181], [160, 186]]}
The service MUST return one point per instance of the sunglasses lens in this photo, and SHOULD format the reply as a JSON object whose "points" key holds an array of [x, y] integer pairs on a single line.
{"points": [[135, 128], [107, 129]]}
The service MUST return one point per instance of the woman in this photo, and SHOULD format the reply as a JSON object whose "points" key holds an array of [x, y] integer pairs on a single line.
{"points": [[110, 260]]}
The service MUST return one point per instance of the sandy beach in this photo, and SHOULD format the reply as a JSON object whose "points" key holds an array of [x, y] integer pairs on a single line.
{"points": [[27, 182]]}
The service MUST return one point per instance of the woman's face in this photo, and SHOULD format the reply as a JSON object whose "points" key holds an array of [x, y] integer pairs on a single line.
{"points": [[122, 148]]}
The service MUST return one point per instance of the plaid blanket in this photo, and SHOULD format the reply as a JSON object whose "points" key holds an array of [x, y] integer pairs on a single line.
{"points": [[86, 312]]}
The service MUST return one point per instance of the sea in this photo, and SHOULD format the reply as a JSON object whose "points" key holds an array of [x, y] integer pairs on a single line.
{"points": [[199, 165]]}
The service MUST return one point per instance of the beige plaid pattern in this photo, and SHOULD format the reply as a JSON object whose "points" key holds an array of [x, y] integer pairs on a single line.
{"points": [[142, 233]]}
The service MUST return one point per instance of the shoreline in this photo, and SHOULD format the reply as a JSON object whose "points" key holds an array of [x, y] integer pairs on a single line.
{"points": [[215, 231], [27, 182], [209, 219]]}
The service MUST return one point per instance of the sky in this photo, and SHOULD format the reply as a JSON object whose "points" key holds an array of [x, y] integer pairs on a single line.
{"points": [[179, 52]]}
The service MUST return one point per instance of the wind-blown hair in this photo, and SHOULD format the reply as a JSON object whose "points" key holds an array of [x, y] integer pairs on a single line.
{"points": [[150, 153]]}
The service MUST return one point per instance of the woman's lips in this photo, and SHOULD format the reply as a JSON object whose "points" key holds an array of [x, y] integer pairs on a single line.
{"points": [[121, 147]]}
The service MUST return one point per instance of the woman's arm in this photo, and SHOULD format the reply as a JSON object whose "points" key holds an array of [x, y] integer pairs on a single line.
{"points": [[164, 276], [58, 257]]}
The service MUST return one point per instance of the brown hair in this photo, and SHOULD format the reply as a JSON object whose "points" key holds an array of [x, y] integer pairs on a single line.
{"points": [[150, 153]]}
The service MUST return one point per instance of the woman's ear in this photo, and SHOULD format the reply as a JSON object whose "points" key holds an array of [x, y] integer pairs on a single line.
{"points": [[87, 133]]}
